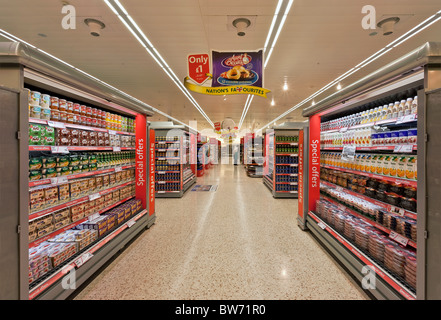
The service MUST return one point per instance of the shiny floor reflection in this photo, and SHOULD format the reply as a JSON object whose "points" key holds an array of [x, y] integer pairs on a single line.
{"points": [[235, 243]]}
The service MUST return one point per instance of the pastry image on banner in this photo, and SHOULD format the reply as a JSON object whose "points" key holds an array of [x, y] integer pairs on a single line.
{"points": [[237, 68], [232, 72]]}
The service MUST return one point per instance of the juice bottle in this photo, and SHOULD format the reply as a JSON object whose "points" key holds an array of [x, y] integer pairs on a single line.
{"points": [[414, 108], [395, 109], [390, 110], [373, 163], [379, 164], [393, 166], [411, 168], [401, 108], [401, 167], [386, 165], [383, 113], [408, 106]]}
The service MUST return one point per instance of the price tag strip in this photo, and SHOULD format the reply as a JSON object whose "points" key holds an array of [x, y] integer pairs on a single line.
{"points": [[398, 238], [59, 149], [83, 259], [54, 124]]}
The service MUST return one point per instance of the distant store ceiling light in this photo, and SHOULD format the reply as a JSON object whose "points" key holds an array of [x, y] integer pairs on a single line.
{"points": [[95, 26], [285, 87], [388, 25], [241, 24]]}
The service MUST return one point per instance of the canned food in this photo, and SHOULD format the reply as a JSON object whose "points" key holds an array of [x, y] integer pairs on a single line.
{"points": [[45, 101], [76, 108], [70, 117], [70, 106], [55, 115], [45, 114], [88, 121], [89, 111], [62, 105], [94, 113], [35, 111], [94, 122], [54, 103], [83, 120], [83, 110], [34, 99], [63, 116], [76, 119]]}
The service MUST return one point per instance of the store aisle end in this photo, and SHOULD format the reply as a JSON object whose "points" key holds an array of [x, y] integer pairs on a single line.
{"points": [[237, 242]]}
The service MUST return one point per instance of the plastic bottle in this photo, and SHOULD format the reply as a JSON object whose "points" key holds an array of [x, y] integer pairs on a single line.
{"points": [[390, 110], [384, 112], [408, 106], [395, 109], [414, 109], [401, 107]]}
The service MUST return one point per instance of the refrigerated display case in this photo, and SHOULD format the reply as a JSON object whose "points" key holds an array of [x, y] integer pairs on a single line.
{"points": [[365, 202], [253, 155], [174, 159], [281, 168], [77, 186]]}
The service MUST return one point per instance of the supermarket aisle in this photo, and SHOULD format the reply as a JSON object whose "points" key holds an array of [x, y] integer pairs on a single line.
{"points": [[235, 243]]}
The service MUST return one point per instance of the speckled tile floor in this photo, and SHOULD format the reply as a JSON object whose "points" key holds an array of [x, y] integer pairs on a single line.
{"points": [[235, 243]]}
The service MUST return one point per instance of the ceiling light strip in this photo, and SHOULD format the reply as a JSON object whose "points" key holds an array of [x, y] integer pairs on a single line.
{"points": [[245, 110], [420, 27], [133, 27], [247, 106], [268, 37], [273, 43]]}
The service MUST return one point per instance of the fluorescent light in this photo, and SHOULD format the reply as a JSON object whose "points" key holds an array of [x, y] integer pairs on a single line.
{"points": [[396, 45], [273, 103], [145, 42], [339, 86], [285, 86], [267, 57], [273, 23]]}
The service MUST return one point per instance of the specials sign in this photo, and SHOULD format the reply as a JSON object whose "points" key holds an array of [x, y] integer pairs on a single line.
{"points": [[141, 159], [232, 73], [314, 162]]}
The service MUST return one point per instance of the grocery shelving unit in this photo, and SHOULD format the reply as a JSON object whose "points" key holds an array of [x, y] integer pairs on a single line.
{"points": [[174, 159], [282, 160], [253, 155], [364, 200], [61, 188]]}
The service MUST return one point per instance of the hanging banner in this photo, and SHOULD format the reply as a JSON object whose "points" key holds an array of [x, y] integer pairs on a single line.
{"points": [[232, 73]]}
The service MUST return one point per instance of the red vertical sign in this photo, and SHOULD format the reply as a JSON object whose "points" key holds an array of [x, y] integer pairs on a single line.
{"points": [[141, 159], [314, 162], [300, 177], [193, 161], [198, 67], [152, 173], [181, 162]]}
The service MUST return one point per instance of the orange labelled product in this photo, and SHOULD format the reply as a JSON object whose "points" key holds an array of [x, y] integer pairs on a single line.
{"points": [[62, 105], [410, 171], [63, 116], [83, 109], [76, 108], [401, 167], [393, 166], [70, 106]]}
